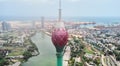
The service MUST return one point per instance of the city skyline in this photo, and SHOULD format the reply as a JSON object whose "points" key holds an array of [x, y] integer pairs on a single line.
{"points": [[67, 33], [48, 8]]}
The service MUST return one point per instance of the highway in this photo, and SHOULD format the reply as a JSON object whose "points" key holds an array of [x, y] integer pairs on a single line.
{"points": [[110, 61]]}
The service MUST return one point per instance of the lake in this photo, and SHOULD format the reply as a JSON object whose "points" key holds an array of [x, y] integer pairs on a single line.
{"points": [[47, 56]]}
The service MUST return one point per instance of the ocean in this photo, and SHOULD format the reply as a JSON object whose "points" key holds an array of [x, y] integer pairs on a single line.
{"points": [[98, 20]]}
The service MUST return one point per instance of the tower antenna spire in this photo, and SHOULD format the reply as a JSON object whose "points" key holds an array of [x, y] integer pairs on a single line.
{"points": [[60, 11]]}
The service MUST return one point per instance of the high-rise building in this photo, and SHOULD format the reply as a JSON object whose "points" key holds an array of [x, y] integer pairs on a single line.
{"points": [[6, 26], [33, 24], [42, 22]]}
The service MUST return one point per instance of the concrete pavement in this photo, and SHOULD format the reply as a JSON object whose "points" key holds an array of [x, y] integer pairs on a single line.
{"points": [[66, 56]]}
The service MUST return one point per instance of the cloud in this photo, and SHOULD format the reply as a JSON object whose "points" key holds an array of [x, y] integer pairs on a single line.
{"points": [[43, 1], [39, 1], [31, 2], [73, 0]]}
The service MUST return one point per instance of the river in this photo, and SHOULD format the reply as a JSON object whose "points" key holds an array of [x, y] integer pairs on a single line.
{"points": [[47, 56]]}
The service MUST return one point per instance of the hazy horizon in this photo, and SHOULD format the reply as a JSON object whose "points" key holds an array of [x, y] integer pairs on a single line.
{"points": [[49, 8]]}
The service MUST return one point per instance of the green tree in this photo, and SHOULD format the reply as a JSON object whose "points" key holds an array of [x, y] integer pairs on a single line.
{"points": [[3, 61], [97, 61], [79, 64], [27, 55], [118, 57], [118, 48]]}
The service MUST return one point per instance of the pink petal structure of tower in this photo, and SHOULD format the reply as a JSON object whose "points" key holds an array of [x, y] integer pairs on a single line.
{"points": [[59, 36]]}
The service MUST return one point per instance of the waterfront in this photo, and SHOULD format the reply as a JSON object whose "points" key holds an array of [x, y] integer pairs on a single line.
{"points": [[47, 56]]}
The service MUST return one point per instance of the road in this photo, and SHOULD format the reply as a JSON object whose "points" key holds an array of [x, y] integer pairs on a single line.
{"points": [[102, 60], [66, 56], [110, 61]]}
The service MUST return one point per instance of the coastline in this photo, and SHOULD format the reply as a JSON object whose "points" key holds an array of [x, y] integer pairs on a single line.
{"points": [[35, 53]]}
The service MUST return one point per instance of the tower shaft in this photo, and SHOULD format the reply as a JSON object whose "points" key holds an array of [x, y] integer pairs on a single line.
{"points": [[60, 11]]}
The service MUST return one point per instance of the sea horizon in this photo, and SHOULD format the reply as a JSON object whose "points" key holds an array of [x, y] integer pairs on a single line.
{"points": [[97, 20]]}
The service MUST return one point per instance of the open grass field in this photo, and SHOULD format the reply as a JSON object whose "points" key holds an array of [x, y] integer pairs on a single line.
{"points": [[15, 51], [88, 50]]}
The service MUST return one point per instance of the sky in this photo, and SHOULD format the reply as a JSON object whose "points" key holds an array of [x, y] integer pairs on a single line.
{"points": [[70, 8]]}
